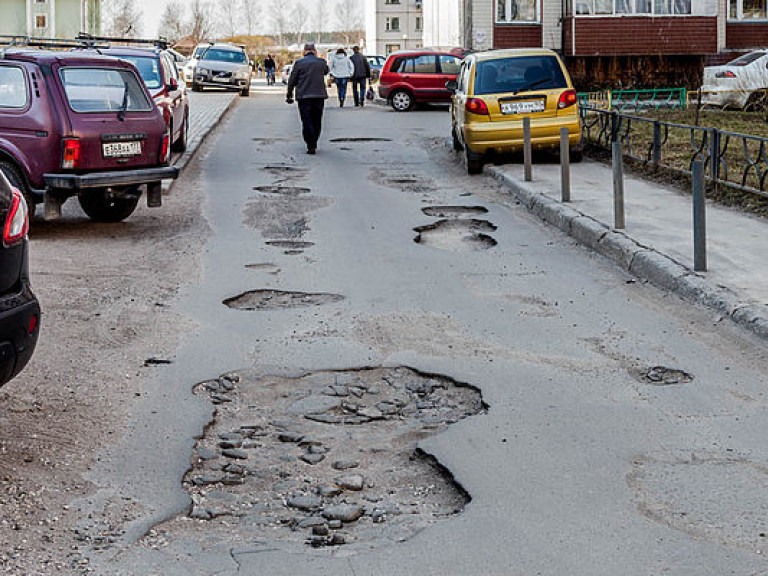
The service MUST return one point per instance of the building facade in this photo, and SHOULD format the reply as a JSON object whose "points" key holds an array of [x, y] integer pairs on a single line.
{"points": [[49, 18], [392, 25]]}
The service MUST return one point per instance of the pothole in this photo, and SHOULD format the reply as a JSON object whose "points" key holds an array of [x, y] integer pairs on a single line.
{"points": [[663, 376], [402, 181], [267, 267], [457, 235], [270, 140], [279, 300], [284, 190], [326, 459], [364, 139], [454, 211], [290, 244], [284, 168]]}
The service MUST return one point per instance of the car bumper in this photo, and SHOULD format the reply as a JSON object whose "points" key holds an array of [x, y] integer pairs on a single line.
{"points": [[229, 84], [722, 97], [506, 137], [16, 343], [110, 179]]}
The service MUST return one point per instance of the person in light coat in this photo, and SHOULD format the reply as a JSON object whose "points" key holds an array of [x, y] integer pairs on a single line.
{"points": [[342, 70]]}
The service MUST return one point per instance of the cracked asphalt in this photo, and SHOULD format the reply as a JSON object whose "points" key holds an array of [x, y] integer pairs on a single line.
{"points": [[580, 464]]}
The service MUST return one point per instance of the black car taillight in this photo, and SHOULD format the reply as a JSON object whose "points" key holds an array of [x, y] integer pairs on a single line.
{"points": [[17, 223], [70, 156]]}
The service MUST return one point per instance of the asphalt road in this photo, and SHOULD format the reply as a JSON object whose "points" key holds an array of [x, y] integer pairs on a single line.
{"points": [[584, 463]]}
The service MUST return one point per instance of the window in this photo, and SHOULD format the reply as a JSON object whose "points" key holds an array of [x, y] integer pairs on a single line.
{"points": [[392, 2], [508, 11], [389, 48], [104, 90], [221, 55], [449, 64], [519, 74], [393, 24], [149, 70], [747, 10], [13, 88], [418, 23], [422, 64], [656, 7], [41, 21]]}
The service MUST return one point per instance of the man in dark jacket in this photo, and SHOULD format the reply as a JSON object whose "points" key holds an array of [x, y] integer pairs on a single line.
{"points": [[362, 73], [308, 80]]}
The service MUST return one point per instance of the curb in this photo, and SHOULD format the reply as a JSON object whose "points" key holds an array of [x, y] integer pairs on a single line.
{"points": [[186, 156], [639, 260]]}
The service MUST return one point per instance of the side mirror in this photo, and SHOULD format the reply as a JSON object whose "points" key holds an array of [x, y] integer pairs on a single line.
{"points": [[173, 85], [452, 86]]}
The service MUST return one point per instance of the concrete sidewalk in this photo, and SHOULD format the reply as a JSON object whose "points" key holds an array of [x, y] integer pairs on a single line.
{"points": [[657, 243]]}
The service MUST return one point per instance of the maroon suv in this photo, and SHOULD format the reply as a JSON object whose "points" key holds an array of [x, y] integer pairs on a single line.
{"points": [[76, 124], [413, 76]]}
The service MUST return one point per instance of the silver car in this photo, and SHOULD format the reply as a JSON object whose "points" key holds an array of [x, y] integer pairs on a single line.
{"points": [[223, 66]]}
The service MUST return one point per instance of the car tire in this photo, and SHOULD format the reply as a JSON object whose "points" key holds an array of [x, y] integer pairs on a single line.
{"points": [[17, 181], [457, 146], [196, 87], [100, 206], [576, 155], [401, 100], [474, 161], [180, 144], [757, 101], [245, 92]]}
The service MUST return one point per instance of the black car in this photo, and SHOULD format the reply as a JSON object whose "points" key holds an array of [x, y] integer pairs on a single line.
{"points": [[19, 309]]}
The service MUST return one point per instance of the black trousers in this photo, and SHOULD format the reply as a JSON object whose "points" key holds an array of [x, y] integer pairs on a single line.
{"points": [[358, 87], [311, 112]]}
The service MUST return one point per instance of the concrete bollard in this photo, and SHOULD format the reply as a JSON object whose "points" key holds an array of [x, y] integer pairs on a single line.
{"points": [[618, 185], [699, 218], [527, 152], [565, 165]]}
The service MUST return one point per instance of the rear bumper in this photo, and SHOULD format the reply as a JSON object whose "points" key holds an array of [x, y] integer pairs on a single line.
{"points": [[505, 137], [714, 96], [16, 343], [110, 179]]}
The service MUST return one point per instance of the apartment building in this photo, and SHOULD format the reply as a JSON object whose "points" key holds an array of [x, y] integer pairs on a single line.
{"points": [[392, 25], [49, 18]]}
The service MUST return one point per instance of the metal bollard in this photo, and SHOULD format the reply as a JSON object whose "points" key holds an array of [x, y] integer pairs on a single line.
{"points": [[527, 152], [699, 218], [565, 166], [618, 185]]}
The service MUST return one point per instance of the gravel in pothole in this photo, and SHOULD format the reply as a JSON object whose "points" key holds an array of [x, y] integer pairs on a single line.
{"points": [[326, 459], [454, 211], [459, 235], [284, 190], [290, 244], [279, 300], [663, 376]]}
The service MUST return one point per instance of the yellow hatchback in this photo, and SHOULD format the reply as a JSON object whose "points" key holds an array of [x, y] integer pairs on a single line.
{"points": [[495, 90]]}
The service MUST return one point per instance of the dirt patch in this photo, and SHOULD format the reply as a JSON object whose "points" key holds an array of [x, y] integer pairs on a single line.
{"points": [[454, 211], [290, 244], [459, 235], [279, 300], [278, 216], [407, 182], [327, 459], [285, 190]]}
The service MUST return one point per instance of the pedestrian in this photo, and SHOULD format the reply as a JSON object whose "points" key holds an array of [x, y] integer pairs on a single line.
{"points": [[260, 69], [361, 74], [269, 69], [308, 80], [342, 70]]}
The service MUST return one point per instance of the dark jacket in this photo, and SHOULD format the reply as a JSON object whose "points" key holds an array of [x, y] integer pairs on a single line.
{"points": [[308, 78], [362, 67], [269, 63]]}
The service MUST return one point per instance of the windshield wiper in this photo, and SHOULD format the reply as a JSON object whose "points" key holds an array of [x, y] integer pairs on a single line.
{"points": [[533, 84], [124, 105]]}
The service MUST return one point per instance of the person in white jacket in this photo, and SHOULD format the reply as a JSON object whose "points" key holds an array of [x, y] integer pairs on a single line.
{"points": [[342, 70]]}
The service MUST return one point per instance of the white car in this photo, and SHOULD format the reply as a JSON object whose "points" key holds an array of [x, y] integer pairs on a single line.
{"points": [[741, 83], [189, 67]]}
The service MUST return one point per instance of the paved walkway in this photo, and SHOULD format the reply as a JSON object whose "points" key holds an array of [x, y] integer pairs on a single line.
{"points": [[657, 242]]}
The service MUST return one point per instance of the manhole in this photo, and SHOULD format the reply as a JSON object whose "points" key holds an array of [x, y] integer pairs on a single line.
{"points": [[360, 140], [458, 235], [279, 300], [325, 459], [290, 244], [454, 211], [284, 190], [663, 376]]}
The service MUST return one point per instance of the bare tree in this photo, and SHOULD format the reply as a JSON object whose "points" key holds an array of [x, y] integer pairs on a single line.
{"points": [[299, 18], [350, 17], [320, 18], [280, 11], [172, 25], [121, 18], [251, 14], [202, 22]]}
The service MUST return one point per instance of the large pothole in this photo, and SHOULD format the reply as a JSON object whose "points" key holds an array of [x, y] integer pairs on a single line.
{"points": [[405, 181], [279, 300], [458, 235], [326, 459], [284, 190]]}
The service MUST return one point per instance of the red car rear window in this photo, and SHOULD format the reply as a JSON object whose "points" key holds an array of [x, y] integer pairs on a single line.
{"points": [[104, 90]]}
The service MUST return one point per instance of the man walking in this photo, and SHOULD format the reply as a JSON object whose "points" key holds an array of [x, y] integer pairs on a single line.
{"points": [[269, 68], [308, 80], [361, 74]]}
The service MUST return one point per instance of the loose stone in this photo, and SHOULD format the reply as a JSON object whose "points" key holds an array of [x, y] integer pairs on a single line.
{"points": [[340, 390], [371, 413], [352, 482], [314, 404], [345, 464], [289, 437], [335, 524], [312, 521], [206, 454], [323, 418], [338, 540], [329, 491], [312, 458], [317, 450], [344, 512], [230, 444], [307, 502], [320, 530], [235, 454]]}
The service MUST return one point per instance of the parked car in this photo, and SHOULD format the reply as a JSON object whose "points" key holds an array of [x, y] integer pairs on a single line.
{"points": [[80, 124], [188, 72], [741, 83], [416, 76], [157, 69], [285, 73], [19, 309], [223, 66], [376, 63], [495, 90]]}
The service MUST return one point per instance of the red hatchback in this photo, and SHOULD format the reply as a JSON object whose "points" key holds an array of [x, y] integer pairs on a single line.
{"points": [[414, 76], [79, 124]]}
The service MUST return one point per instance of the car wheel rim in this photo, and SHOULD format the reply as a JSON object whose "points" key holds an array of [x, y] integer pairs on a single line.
{"points": [[401, 101]]}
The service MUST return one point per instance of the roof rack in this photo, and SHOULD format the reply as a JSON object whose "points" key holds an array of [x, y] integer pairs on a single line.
{"points": [[161, 43], [49, 43]]}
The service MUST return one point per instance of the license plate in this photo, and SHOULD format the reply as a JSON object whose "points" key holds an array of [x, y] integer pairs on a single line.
{"points": [[121, 149], [220, 79], [523, 106]]}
